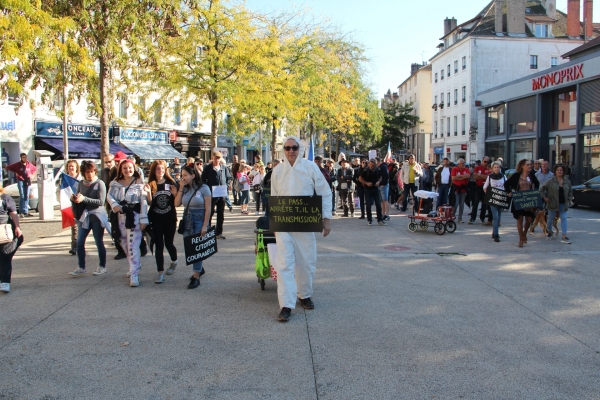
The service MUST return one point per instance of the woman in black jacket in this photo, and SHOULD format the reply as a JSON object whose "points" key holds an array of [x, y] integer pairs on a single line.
{"points": [[523, 179]]}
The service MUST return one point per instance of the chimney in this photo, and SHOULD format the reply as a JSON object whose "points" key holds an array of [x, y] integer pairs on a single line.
{"points": [[499, 6], [449, 25], [573, 19], [515, 18], [550, 7], [588, 27], [414, 67]]}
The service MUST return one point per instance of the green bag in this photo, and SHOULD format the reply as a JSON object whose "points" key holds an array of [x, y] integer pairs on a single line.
{"points": [[263, 270]]}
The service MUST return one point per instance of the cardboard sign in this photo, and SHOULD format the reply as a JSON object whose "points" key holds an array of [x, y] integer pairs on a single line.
{"points": [[219, 191], [295, 214], [497, 197], [198, 247], [527, 199]]}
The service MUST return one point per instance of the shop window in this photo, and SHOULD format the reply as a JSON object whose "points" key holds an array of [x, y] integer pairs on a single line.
{"points": [[495, 121], [565, 108], [522, 149], [523, 127], [496, 150], [591, 118]]}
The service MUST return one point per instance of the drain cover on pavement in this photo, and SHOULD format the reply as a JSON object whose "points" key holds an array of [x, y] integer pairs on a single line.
{"points": [[397, 248]]}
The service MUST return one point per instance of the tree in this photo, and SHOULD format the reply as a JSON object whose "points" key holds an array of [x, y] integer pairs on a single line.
{"points": [[397, 119]]}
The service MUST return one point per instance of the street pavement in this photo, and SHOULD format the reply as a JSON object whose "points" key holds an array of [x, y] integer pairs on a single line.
{"points": [[398, 315]]}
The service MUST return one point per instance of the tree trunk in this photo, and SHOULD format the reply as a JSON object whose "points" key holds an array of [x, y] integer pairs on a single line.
{"points": [[274, 139], [213, 128], [105, 104], [337, 145]]}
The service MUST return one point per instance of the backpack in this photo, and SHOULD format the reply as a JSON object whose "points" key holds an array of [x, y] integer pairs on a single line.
{"points": [[237, 186]]}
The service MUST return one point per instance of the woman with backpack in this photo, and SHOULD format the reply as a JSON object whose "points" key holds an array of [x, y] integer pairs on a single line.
{"points": [[257, 190], [8, 215], [495, 180], [197, 198], [163, 216]]}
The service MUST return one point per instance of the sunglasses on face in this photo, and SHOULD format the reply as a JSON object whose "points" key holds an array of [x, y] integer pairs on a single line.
{"points": [[293, 148], [198, 163]]}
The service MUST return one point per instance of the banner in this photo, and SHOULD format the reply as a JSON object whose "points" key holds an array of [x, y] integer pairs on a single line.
{"points": [[527, 199], [295, 214], [198, 247], [497, 197], [143, 135]]}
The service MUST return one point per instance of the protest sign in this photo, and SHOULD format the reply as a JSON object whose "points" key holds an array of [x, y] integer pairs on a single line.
{"points": [[372, 154], [497, 197], [527, 199], [198, 247], [295, 214], [219, 191]]}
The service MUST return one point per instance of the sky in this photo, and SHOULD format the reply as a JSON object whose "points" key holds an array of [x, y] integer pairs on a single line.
{"points": [[395, 33]]}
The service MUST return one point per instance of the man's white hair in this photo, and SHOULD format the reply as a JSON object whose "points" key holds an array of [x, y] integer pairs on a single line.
{"points": [[301, 146]]}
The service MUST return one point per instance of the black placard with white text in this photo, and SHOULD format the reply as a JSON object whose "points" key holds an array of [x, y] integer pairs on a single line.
{"points": [[198, 247], [497, 197], [527, 199], [295, 214]]}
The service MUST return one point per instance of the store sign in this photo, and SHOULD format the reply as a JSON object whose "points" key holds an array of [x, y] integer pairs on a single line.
{"points": [[438, 150], [7, 125], [74, 131], [447, 149], [463, 146], [143, 135], [558, 77], [173, 136]]}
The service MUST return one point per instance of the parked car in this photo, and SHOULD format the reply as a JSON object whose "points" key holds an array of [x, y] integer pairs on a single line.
{"points": [[587, 194], [509, 172]]}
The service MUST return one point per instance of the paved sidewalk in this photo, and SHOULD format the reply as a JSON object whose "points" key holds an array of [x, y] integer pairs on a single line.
{"points": [[398, 315]]}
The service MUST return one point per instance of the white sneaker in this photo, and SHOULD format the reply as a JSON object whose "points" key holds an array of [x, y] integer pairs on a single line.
{"points": [[160, 278], [78, 272], [5, 287], [133, 281], [99, 271], [172, 266]]}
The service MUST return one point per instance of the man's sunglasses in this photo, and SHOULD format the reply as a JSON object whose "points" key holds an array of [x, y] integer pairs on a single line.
{"points": [[288, 148]]}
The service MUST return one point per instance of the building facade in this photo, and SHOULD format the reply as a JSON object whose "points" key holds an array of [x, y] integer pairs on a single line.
{"points": [[505, 41]]}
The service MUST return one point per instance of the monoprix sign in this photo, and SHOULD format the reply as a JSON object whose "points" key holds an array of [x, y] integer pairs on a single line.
{"points": [[557, 77]]}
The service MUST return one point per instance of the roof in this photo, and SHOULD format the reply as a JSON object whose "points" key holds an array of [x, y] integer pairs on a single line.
{"points": [[589, 45], [539, 18]]}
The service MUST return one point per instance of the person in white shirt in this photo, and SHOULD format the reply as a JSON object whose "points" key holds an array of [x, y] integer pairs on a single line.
{"points": [[443, 181]]}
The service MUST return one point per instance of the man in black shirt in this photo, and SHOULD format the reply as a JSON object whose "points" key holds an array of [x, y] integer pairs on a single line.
{"points": [[215, 174], [371, 180]]}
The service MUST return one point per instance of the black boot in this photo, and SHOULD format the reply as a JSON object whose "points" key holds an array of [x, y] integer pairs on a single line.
{"points": [[194, 283]]}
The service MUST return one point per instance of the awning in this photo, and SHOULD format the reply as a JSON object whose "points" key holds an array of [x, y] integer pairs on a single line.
{"points": [[151, 152], [78, 148]]}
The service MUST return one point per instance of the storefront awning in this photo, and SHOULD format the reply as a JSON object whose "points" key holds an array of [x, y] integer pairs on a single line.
{"points": [[78, 148], [151, 152]]}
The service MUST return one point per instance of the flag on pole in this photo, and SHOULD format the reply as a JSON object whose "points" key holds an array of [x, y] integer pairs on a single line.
{"points": [[388, 156], [68, 186], [311, 151]]}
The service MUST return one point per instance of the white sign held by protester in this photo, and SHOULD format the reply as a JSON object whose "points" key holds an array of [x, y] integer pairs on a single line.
{"points": [[372, 154], [223, 151]]}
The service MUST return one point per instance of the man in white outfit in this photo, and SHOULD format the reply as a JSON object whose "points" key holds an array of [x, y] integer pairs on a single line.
{"points": [[297, 251]]}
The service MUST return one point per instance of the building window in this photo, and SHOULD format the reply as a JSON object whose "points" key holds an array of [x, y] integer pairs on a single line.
{"points": [[194, 117], [591, 118], [456, 66], [58, 101], [157, 111], [13, 98], [435, 101], [464, 63], [565, 106], [463, 121], [495, 121], [455, 96], [448, 127], [442, 75], [436, 75], [435, 129], [177, 113], [123, 105], [553, 61], [523, 127], [533, 64], [448, 98], [448, 70], [541, 30], [441, 128], [455, 126], [464, 94], [142, 104]]}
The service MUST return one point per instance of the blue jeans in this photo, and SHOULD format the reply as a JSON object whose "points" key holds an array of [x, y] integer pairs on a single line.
{"points": [[244, 197], [563, 218], [227, 201], [496, 215], [98, 232], [443, 191], [384, 191], [196, 220], [23, 196]]}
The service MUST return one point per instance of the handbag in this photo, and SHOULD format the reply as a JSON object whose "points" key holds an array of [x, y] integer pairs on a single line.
{"points": [[184, 220], [6, 233], [263, 270]]}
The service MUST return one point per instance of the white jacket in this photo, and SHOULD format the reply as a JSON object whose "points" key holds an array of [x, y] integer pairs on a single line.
{"points": [[405, 172]]}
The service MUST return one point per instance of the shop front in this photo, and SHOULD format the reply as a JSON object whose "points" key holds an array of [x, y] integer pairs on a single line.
{"points": [[83, 140], [552, 115], [10, 127], [438, 155], [148, 145]]}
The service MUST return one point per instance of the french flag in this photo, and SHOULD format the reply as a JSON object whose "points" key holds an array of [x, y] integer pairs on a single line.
{"points": [[68, 186], [388, 156]]}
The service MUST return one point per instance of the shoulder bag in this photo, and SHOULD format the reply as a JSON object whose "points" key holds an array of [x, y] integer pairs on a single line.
{"points": [[184, 220], [6, 231]]}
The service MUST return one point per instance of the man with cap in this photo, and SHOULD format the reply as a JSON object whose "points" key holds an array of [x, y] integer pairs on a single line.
{"points": [[345, 178], [297, 251], [214, 174]]}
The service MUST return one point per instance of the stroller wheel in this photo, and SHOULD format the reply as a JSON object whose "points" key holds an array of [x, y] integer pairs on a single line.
{"points": [[451, 226]]}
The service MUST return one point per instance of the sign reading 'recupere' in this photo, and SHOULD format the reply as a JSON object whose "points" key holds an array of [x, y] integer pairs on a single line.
{"points": [[558, 77], [295, 214]]}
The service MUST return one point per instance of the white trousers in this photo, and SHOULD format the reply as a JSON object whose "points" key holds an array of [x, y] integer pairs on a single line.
{"points": [[296, 265]]}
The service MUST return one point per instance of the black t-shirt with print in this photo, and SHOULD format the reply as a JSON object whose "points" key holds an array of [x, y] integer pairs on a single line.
{"points": [[371, 176], [163, 203]]}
